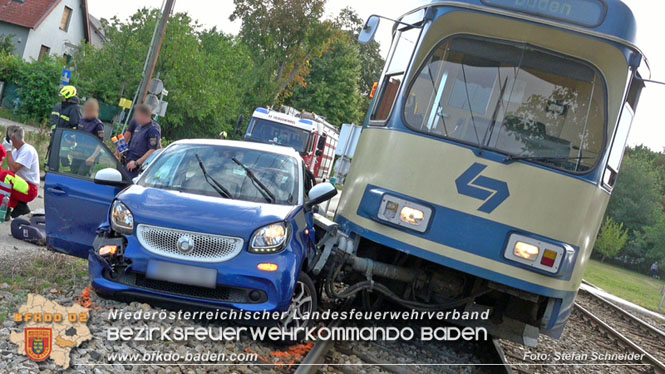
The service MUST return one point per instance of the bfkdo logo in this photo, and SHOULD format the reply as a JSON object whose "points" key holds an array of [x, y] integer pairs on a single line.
{"points": [[38, 343]]}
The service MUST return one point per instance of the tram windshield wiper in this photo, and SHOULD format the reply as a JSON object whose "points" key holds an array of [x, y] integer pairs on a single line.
{"points": [[542, 158]]}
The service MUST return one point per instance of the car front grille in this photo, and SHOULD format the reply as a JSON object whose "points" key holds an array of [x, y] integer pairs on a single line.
{"points": [[206, 247], [219, 293]]}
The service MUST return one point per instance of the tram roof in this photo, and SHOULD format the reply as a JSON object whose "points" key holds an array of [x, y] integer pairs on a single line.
{"points": [[609, 19]]}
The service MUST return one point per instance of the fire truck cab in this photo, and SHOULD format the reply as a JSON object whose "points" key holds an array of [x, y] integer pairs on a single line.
{"points": [[309, 134]]}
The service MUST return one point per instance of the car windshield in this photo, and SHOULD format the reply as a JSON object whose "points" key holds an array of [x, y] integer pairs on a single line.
{"points": [[177, 168], [513, 98], [265, 131]]}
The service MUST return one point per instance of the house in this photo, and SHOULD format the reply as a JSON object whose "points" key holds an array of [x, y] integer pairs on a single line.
{"points": [[97, 36], [41, 27]]}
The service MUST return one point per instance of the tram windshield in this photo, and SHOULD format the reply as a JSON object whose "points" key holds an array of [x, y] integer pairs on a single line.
{"points": [[512, 98]]}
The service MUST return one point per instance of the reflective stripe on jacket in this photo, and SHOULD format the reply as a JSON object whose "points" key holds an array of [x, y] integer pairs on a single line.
{"points": [[19, 184]]}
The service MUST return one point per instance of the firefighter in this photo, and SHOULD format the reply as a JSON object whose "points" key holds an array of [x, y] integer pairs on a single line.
{"points": [[66, 113]]}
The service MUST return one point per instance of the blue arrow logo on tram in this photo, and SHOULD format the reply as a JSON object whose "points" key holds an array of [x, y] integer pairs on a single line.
{"points": [[493, 192]]}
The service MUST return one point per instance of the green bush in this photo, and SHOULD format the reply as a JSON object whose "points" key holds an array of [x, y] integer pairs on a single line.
{"points": [[7, 44], [9, 66], [39, 83]]}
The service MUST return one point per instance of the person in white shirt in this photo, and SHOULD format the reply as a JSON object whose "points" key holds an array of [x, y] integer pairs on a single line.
{"points": [[23, 173]]}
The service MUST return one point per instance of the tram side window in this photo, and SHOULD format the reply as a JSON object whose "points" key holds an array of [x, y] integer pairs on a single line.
{"points": [[515, 99], [392, 81]]}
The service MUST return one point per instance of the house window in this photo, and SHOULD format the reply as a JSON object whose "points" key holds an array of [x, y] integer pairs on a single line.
{"points": [[66, 17], [44, 51]]}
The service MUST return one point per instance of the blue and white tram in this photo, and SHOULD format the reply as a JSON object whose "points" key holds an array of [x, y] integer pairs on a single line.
{"points": [[489, 155]]}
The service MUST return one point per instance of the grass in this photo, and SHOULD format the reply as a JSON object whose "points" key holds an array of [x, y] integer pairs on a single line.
{"points": [[626, 284], [39, 273], [9, 114]]}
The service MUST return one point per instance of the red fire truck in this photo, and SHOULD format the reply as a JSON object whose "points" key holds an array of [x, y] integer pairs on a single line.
{"points": [[307, 133]]}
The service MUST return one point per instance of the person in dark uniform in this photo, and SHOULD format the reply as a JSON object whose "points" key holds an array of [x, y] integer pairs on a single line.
{"points": [[90, 121], [66, 114], [145, 138], [85, 152]]}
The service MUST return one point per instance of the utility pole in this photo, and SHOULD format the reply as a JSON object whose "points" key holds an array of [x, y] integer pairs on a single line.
{"points": [[151, 59], [154, 50]]}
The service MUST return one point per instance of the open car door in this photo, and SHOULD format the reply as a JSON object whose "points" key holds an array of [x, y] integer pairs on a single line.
{"points": [[75, 205]]}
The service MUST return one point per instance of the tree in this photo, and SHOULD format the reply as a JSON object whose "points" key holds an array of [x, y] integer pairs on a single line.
{"points": [[612, 239], [637, 202], [284, 35], [636, 197], [371, 62], [651, 242], [332, 88], [205, 71]]}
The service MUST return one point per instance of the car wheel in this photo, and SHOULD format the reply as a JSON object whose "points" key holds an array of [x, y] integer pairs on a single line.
{"points": [[303, 302]]}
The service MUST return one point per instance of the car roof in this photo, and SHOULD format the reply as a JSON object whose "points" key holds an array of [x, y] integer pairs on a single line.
{"points": [[278, 149]]}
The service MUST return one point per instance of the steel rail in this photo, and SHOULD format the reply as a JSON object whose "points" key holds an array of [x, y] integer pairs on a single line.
{"points": [[646, 325], [647, 358], [316, 356], [501, 355]]}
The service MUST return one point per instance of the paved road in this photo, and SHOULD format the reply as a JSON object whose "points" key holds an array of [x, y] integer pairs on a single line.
{"points": [[6, 123], [11, 246]]}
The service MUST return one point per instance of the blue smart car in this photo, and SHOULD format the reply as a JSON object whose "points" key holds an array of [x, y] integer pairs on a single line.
{"points": [[208, 223]]}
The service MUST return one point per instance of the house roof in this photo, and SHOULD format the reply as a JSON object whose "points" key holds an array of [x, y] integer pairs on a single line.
{"points": [[96, 27], [29, 13]]}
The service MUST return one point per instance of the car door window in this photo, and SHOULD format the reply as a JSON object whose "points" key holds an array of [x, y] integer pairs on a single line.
{"points": [[81, 154]]}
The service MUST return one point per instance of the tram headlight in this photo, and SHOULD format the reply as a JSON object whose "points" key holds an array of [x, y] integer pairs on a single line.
{"points": [[412, 216], [526, 251], [404, 213], [540, 254]]}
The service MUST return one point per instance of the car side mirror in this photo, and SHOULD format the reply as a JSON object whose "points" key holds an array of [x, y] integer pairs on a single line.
{"points": [[368, 32], [320, 193], [110, 177]]}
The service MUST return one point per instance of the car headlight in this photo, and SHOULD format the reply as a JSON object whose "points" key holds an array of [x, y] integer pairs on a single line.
{"points": [[269, 239], [122, 219]]}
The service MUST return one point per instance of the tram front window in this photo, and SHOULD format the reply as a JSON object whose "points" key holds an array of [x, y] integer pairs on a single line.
{"points": [[512, 98]]}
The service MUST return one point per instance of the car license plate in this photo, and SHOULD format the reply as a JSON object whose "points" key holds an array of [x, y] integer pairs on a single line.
{"points": [[182, 274]]}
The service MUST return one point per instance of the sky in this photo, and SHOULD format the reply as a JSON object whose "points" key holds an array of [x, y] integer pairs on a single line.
{"points": [[649, 125]]}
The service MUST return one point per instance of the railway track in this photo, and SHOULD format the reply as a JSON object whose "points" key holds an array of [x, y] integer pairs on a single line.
{"points": [[611, 329], [626, 328], [408, 357]]}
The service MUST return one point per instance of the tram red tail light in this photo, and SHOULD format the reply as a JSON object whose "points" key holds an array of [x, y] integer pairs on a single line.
{"points": [[549, 258]]}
